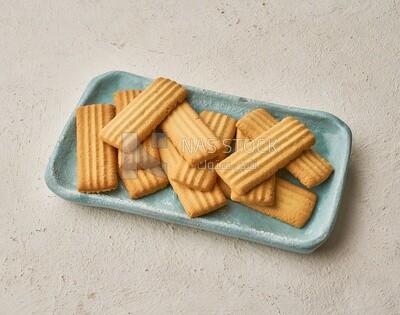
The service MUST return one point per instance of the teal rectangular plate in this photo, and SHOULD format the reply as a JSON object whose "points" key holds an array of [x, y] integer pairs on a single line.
{"points": [[333, 142]]}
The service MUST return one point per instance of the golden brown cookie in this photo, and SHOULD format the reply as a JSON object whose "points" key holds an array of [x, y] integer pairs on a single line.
{"points": [[96, 160], [293, 205], [203, 177], [224, 187], [223, 126], [195, 202], [309, 168], [264, 193], [140, 183], [198, 178], [245, 169], [256, 122], [192, 138], [143, 114], [146, 154], [123, 97]]}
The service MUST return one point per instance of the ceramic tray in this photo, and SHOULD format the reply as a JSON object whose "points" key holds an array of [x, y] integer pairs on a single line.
{"points": [[333, 142]]}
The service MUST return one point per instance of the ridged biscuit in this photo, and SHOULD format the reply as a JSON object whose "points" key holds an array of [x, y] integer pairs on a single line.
{"points": [[310, 168], [139, 170], [140, 183], [197, 178], [144, 113], [146, 154], [242, 141], [264, 193], [273, 149], [224, 187], [197, 203], [203, 177], [223, 126], [293, 205], [256, 122], [194, 202], [123, 97], [193, 139], [96, 160]]}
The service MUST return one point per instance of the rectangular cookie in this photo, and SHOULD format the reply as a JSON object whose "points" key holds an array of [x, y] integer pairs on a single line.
{"points": [[96, 160], [194, 202], [193, 139], [264, 193], [256, 122], [123, 97], [203, 177], [224, 187], [140, 183], [197, 178], [197, 203], [146, 154], [310, 168], [243, 170], [293, 205], [143, 114], [139, 170], [223, 126]]}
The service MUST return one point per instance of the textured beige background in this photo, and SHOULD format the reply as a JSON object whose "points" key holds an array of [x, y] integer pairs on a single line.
{"points": [[338, 56]]}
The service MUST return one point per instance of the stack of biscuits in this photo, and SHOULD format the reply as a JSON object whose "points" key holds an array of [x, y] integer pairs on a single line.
{"points": [[191, 154]]}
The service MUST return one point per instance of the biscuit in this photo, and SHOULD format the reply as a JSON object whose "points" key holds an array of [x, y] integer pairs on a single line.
{"points": [[244, 169], [223, 126], [293, 205], [264, 193], [96, 160], [123, 97], [197, 178], [140, 183], [139, 170], [145, 155], [143, 114], [224, 187], [193, 139], [203, 177], [310, 168], [255, 123], [194, 202], [197, 203], [239, 140]]}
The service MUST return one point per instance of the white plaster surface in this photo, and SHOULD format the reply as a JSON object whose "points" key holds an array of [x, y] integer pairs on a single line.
{"points": [[60, 258]]}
